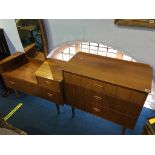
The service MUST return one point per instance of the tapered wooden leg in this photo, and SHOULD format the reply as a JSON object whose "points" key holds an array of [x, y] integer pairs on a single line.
{"points": [[58, 109], [123, 130], [73, 112], [17, 94]]}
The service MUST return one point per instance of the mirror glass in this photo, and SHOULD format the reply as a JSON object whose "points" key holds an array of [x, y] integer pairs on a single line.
{"points": [[31, 37]]}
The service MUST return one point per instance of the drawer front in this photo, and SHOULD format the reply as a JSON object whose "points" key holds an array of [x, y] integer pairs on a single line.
{"points": [[112, 115], [49, 84], [121, 93], [20, 85], [96, 99], [131, 96], [34, 89], [50, 95], [125, 107], [11, 83], [90, 84], [121, 106]]}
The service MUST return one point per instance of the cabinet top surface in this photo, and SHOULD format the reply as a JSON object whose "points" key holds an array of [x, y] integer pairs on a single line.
{"points": [[24, 72], [51, 70], [127, 74], [132, 75]]}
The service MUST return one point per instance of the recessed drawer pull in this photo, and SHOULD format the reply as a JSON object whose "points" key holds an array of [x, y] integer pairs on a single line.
{"points": [[96, 109], [11, 82], [98, 97], [97, 85], [49, 94]]}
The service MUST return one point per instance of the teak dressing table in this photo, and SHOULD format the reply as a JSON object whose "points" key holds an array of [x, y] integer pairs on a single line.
{"points": [[18, 72], [109, 88]]}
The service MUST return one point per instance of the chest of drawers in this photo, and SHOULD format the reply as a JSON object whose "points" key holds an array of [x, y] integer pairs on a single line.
{"points": [[101, 88]]}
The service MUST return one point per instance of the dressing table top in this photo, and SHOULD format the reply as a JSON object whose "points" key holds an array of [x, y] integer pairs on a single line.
{"points": [[24, 72], [132, 75], [51, 70]]}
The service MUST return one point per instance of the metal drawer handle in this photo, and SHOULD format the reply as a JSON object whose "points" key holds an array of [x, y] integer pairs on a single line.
{"points": [[98, 97], [96, 109], [49, 94], [11, 82], [97, 85]]}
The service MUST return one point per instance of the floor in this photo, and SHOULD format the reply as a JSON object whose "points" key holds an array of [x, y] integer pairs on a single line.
{"points": [[39, 117]]}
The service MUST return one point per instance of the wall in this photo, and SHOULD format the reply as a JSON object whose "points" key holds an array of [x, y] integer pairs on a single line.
{"points": [[11, 35], [137, 42], [48, 29]]}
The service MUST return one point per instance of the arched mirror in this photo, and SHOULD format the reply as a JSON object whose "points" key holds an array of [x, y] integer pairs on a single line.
{"points": [[33, 37]]}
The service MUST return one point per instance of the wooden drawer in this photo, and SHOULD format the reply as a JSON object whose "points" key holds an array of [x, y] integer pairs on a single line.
{"points": [[11, 82], [107, 89], [131, 96], [83, 81], [112, 115], [96, 99], [49, 84], [90, 84], [50, 95], [125, 107], [34, 89]]}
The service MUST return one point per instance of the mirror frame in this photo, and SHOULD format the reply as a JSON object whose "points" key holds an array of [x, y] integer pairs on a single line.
{"points": [[30, 49], [44, 36]]}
